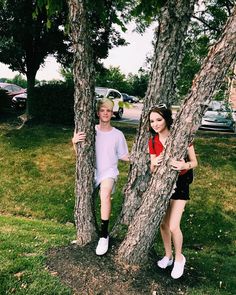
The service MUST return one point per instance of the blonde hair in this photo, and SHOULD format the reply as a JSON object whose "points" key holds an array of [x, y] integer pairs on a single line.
{"points": [[105, 102]]}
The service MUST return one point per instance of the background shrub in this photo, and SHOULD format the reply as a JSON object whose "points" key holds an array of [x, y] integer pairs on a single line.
{"points": [[54, 103]]}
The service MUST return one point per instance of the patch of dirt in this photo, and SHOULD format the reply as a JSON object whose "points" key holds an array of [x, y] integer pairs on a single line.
{"points": [[88, 274]]}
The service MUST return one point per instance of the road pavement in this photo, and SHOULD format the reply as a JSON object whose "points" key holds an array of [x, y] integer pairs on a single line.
{"points": [[132, 114]]}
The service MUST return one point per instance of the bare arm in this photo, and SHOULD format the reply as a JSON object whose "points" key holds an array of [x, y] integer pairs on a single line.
{"points": [[78, 137], [182, 165], [126, 158], [192, 158]]}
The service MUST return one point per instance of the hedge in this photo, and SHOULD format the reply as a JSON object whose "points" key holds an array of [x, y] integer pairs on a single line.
{"points": [[53, 103]]}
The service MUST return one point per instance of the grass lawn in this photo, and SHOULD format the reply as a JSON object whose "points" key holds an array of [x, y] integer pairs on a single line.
{"points": [[37, 201]]}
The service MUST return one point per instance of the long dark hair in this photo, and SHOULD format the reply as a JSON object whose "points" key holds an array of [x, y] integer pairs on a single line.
{"points": [[166, 114]]}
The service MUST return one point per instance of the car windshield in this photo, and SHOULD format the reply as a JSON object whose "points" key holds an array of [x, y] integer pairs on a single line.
{"points": [[217, 106], [100, 92]]}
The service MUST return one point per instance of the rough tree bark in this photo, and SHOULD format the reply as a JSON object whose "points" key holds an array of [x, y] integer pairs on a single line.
{"points": [[144, 225], [232, 91], [83, 71], [173, 23]]}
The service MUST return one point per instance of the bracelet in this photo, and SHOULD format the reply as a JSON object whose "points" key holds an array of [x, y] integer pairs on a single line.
{"points": [[189, 165]]}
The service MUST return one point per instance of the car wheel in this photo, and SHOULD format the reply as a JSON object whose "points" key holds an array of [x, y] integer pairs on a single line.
{"points": [[119, 114]]}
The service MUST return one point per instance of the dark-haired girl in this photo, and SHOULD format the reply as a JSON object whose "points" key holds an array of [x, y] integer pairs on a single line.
{"points": [[160, 120]]}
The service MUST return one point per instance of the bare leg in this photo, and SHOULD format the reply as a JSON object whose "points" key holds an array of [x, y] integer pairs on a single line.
{"points": [[176, 211], [166, 234], [105, 197]]}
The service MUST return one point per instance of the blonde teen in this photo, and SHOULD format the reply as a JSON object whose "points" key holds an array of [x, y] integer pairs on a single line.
{"points": [[110, 145]]}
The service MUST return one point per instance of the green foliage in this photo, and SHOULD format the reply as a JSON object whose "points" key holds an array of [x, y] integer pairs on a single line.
{"points": [[112, 78], [146, 12], [25, 39], [52, 6], [138, 83], [133, 84], [67, 74], [101, 15], [195, 52], [18, 80], [54, 103], [215, 15], [201, 34]]}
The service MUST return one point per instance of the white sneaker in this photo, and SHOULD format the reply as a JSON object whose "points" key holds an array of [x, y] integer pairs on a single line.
{"points": [[178, 268], [102, 246], [164, 262]]}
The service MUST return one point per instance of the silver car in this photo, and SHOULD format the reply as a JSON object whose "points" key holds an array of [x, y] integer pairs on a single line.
{"points": [[219, 117]]}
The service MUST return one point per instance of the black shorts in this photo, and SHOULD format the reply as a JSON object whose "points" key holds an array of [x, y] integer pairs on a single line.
{"points": [[182, 189]]}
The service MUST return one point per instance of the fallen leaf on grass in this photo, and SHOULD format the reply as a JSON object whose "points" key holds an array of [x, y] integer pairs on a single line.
{"points": [[19, 274]]}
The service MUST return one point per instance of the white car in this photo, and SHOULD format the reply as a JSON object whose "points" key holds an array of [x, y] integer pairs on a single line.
{"points": [[113, 94], [218, 117]]}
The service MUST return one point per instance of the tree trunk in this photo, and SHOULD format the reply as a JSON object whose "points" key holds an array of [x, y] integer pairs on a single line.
{"points": [[173, 24], [83, 71], [30, 89], [142, 229], [232, 92]]}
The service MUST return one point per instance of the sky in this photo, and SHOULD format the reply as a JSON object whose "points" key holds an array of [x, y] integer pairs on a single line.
{"points": [[129, 58]]}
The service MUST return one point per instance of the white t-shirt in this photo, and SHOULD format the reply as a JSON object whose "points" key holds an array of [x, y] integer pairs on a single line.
{"points": [[110, 147]]}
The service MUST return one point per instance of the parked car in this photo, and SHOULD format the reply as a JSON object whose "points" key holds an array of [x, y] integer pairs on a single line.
{"points": [[19, 101], [135, 99], [12, 89], [127, 97], [113, 94], [218, 117]]}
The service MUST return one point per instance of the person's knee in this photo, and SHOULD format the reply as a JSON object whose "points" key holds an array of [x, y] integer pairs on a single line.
{"points": [[174, 228], [105, 196], [164, 226], [106, 188]]}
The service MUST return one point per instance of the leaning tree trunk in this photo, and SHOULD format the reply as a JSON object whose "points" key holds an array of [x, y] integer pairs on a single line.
{"points": [[232, 91], [143, 227], [83, 71], [173, 24]]}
